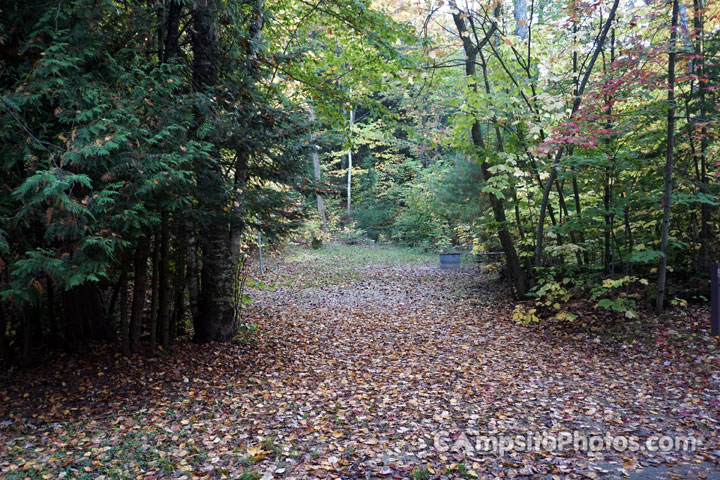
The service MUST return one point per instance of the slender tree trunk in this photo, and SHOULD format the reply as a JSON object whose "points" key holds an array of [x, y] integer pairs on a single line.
{"points": [[350, 161], [155, 281], [52, 320], [29, 323], [172, 39], [164, 279], [110, 310], [564, 209], [142, 251], [609, 173], [667, 196], [629, 245], [518, 219], [192, 270], [237, 224], [180, 276], [4, 348], [520, 278], [316, 172], [699, 68], [607, 255], [576, 105], [124, 321]]}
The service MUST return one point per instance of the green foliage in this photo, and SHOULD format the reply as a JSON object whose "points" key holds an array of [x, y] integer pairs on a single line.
{"points": [[247, 333], [619, 295], [104, 128]]}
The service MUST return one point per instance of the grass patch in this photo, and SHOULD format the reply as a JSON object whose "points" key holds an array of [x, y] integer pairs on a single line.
{"points": [[361, 256]]}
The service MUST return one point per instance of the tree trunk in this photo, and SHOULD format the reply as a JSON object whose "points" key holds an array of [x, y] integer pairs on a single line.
{"points": [[84, 318], [172, 39], [154, 298], [124, 322], [216, 310], [29, 322], [629, 245], [192, 269], [180, 276], [243, 152], [139, 291], [667, 196], [350, 165], [52, 320], [4, 347], [164, 280], [699, 69], [520, 278], [576, 105], [521, 19], [609, 173], [316, 172]]}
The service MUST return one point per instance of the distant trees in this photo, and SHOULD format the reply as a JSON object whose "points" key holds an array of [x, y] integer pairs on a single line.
{"points": [[551, 145]]}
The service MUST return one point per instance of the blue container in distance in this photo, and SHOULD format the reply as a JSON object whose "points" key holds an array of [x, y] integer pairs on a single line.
{"points": [[449, 260]]}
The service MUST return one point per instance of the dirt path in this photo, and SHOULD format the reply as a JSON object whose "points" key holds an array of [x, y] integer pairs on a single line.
{"points": [[382, 370], [366, 367]]}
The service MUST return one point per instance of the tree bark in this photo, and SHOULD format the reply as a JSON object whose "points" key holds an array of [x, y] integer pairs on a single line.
{"points": [[154, 281], [172, 39], [316, 172], [124, 322], [164, 280], [520, 278], [4, 347], [350, 165], [667, 196], [179, 281], [192, 270], [51, 314], [139, 291], [699, 69], [521, 19], [216, 310], [243, 152], [29, 323]]}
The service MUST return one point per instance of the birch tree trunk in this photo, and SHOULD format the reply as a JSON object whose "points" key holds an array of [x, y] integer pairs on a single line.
{"points": [[521, 19], [350, 165], [667, 196]]}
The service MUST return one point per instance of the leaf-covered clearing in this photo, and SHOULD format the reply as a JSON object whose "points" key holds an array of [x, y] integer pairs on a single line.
{"points": [[361, 358]]}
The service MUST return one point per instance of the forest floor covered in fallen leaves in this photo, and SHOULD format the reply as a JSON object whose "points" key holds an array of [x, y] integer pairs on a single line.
{"points": [[372, 363]]}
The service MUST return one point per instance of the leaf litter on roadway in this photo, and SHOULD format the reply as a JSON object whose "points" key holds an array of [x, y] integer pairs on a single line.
{"points": [[368, 368]]}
